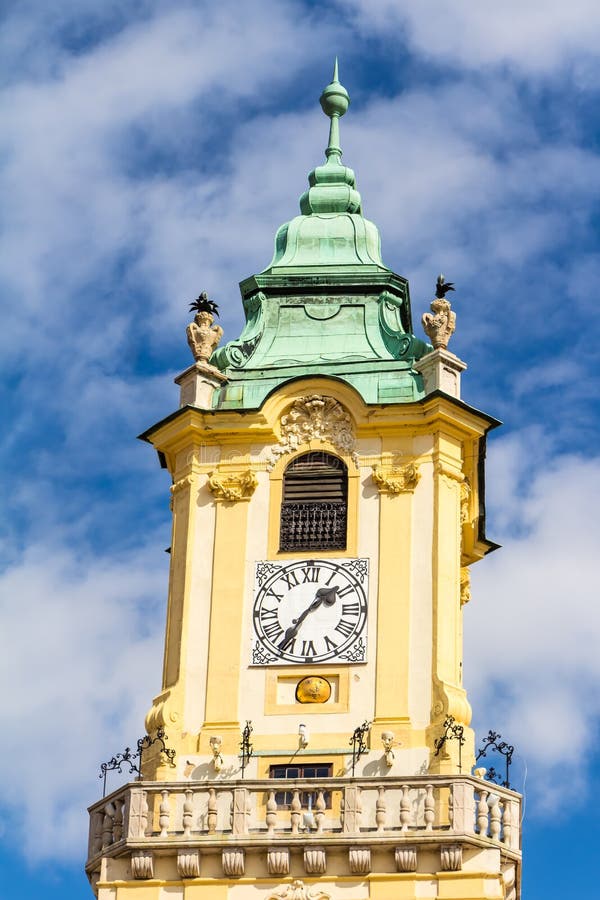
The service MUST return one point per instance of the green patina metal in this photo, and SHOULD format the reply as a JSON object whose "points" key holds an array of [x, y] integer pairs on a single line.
{"points": [[326, 304]]}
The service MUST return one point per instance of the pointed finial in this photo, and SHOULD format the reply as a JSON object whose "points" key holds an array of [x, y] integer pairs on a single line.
{"points": [[334, 103]]}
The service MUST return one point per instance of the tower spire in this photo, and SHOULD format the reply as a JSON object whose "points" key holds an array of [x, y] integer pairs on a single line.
{"points": [[334, 103]]}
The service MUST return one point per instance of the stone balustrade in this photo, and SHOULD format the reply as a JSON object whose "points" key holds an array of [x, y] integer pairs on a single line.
{"points": [[397, 815]]}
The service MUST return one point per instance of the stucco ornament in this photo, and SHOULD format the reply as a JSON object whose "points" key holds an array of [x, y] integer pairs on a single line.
{"points": [[233, 485], [396, 479], [316, 417], [465, 585], [297, 890], [202, 335]]}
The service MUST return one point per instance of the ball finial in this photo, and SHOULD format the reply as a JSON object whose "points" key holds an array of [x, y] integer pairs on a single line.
{"points": [[334, 99]]}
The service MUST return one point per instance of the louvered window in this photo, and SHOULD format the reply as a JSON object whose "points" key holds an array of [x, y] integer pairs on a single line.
{"points": [[314, 508]]}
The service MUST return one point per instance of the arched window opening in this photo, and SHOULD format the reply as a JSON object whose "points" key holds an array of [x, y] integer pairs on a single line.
{"points": [[315, 503]]}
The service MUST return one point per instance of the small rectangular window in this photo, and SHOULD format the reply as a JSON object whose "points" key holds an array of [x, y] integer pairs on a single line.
{"points": [[308, 799]]}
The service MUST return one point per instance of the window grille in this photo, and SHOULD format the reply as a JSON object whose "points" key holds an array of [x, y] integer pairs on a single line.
{"points": [[314, 508]]}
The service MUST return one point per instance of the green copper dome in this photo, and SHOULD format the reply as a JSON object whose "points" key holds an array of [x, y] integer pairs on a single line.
{"points": [[331, 230], [326, 305]]}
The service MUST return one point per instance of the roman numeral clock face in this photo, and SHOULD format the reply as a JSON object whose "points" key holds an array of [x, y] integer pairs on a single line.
{"points": [[310, 611]]}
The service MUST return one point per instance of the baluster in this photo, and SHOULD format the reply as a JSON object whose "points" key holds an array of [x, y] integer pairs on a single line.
{"points": [[295, 811], [405, 809], [359, 808], [107, 826], [143, 814], [342, 810], [118, 821], [212, 811], [495, 817], [188, 812], [271, 812], [98, 821], [506, 823], [482, 814], [320, 813], [164, 812], [451, 802], [429, 807], [380, 808], [247, 812]]}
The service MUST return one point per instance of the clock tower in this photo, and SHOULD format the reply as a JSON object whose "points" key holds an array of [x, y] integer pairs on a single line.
{"points": [[328, 501]]}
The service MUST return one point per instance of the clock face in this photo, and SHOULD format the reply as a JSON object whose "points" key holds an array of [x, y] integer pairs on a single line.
{"points": [[310, 611]]}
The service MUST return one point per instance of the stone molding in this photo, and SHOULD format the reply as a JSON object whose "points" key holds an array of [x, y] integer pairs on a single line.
{"points": [[316, 417], [142, 864], [396, 479], [232, 486]]}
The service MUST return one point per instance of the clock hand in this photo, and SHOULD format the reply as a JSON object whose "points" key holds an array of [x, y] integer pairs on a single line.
{"points": [[326, 596]]}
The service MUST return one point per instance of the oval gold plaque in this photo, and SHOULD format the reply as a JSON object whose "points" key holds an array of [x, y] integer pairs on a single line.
{"points": [[313, 689]]}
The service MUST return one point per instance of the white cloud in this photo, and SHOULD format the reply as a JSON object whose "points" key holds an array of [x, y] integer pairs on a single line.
{"points": [[533, 628], [532, 36], [81, 660]]}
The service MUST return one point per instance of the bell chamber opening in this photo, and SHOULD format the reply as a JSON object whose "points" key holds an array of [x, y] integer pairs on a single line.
{"points": [[314, 510]]}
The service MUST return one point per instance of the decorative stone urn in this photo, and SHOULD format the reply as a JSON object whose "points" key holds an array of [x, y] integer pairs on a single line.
{"points": [[203, 336], [440, 323]]}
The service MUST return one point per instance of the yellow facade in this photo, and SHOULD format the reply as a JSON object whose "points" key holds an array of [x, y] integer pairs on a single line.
{"points": [[414, 537]]}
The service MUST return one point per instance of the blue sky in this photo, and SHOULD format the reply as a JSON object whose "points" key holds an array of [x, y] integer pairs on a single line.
{"points": [[149, 151]]}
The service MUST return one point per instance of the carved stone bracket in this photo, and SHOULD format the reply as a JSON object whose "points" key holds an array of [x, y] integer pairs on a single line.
{"points": [[396, 479], [359, 859], [315, 860], [297, 890], [233, 861], [451, 857], [164, 711], [450, 700], [278, 861], [142, 864], [316, 417], [406, 859], [232, 486], [188, 863]]}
